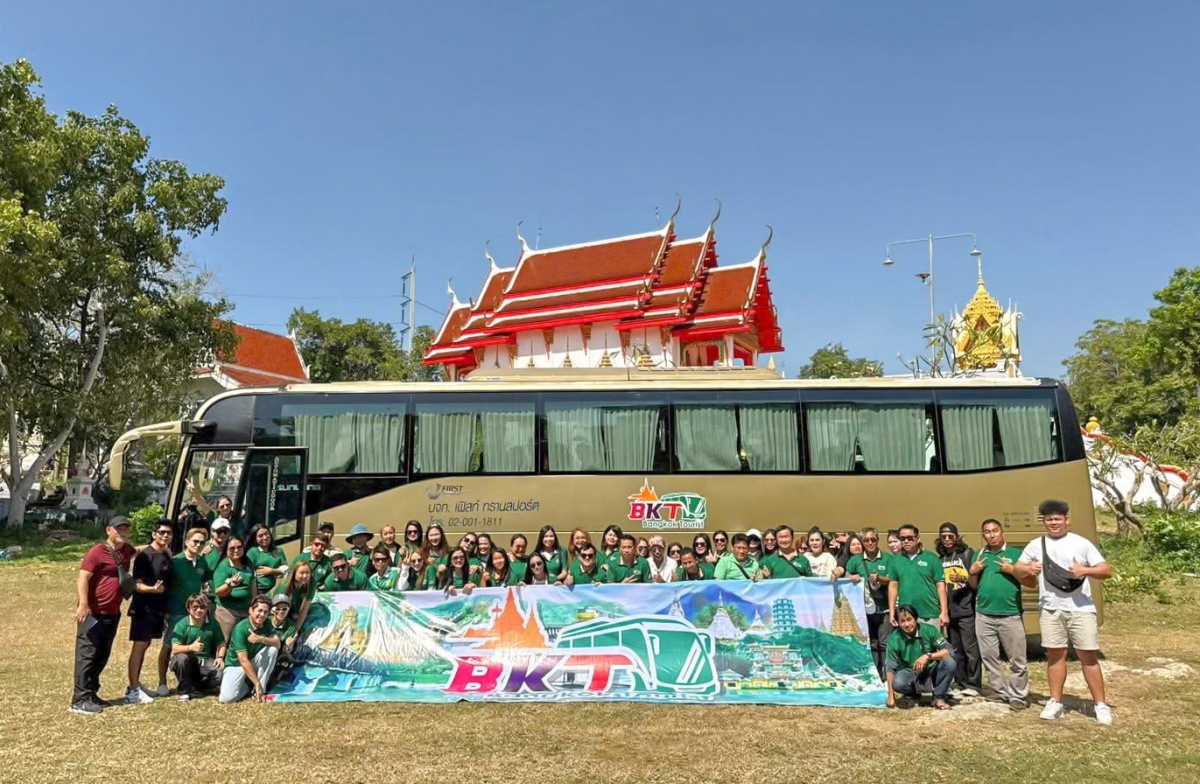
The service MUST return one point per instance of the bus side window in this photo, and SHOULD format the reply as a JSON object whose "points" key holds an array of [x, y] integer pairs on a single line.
{"points": [[983, 433]]}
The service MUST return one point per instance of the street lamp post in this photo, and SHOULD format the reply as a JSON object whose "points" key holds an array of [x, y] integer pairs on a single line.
{"points": [[927, 278]]}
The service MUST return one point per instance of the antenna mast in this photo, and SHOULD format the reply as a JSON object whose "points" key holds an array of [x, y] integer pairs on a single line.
{"points": [[408, 302]]}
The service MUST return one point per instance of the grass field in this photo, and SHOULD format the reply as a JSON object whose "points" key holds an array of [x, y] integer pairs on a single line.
{"points": [[1156, 736]]}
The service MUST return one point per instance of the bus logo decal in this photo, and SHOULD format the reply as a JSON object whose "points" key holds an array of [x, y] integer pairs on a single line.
{"points": [[668, 511]]}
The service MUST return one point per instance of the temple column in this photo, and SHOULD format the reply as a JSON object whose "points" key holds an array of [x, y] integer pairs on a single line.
{"points": [[729, 351]]}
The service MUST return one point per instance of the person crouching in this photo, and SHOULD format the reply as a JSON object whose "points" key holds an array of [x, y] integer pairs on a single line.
{"points": [[917, 654]]}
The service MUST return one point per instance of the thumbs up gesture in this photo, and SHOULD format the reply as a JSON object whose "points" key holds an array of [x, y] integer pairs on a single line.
{"points": [[1079, 570]]}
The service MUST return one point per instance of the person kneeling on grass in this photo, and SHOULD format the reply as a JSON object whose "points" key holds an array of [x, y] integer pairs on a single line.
{"points": [[197, 650], [251, 656], [917, 653]]}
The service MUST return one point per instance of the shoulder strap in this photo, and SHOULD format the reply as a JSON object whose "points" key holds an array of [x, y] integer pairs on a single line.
{"points": [[792, 563], [740, 569]]}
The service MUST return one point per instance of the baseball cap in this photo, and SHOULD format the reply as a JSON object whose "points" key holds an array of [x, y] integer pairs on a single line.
{"points": [[951, 527], [755, 533], [279, 599], [221, 524], [118, 521]]}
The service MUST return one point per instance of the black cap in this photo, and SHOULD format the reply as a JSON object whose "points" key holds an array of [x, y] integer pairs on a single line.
{"points": [[951, 527]]}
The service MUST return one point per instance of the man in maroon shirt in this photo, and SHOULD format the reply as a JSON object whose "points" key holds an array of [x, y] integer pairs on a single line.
{"points": [[98, 612]]}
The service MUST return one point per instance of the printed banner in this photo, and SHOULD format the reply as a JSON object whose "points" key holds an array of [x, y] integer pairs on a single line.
{"points": [[792, 642]]}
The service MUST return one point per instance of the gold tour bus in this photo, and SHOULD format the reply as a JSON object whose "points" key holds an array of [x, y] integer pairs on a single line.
{"points": [[673, 452]]}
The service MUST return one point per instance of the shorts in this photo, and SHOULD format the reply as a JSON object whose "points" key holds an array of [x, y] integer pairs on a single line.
{"points": [[147, 628], [1063, 628]]}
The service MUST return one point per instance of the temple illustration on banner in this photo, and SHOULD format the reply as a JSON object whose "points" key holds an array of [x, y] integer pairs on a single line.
{"points": [[646, 300]]}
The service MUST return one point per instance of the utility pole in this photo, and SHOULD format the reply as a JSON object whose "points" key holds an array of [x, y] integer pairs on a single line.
{"points": [[408, 304]]}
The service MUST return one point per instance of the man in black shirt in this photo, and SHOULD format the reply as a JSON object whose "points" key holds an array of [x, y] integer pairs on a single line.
{"points": [[149, 611], [960, 596]]}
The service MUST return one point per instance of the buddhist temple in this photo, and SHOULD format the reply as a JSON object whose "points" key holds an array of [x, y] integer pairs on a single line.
{"points": [[985, 335], [645, 300]]}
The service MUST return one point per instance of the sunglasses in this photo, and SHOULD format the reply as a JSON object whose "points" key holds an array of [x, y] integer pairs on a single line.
{"points": [[587, 556], [381, 559], [870, 539], [165, 532], [235, 548], [907, 538], [720, 540], [197, 541], [340, 567]]}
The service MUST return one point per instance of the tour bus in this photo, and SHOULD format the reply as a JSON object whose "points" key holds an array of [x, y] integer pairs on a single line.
{"points": [[673, 452]]}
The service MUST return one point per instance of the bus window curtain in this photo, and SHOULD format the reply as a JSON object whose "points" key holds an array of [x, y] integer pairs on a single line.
{"points": [[706, 438], [769, 437], [576, 443], [629, 438], [832, 430], [330, 442], [1025, 433], [445, 442], [508, 441], [378, 443], [970, 442], [892, 438]]}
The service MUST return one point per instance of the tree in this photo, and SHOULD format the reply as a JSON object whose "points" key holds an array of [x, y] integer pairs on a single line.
{"points": [[361, 350], [1117, 376], [1121, 465], [92, 322], [833, 361], [1174, 327]]}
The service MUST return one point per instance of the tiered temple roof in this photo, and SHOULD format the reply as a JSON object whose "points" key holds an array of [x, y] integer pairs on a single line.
{"points": [[638, 282]]}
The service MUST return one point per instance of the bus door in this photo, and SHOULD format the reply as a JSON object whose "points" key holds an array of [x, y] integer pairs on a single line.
{"points": [[272, 492]]}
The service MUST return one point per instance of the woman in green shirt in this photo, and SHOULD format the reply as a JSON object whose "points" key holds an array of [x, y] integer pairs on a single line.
{"points": [[301, 587], [498, 572], [268, 561], [457, 575], [233, 583], [610, 545], [436, 549], [536, 572], [553, 553]]}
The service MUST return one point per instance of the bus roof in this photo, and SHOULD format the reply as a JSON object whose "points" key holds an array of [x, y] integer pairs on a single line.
{"points": [[556, 379]]}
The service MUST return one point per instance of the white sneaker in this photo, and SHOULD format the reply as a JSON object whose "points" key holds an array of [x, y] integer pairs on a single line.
{"points": [[1053, 710], [1103, 714], [137, 696], [163, 690], [184, 696]]}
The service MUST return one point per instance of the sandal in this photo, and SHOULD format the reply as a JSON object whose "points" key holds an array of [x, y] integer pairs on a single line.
{"points": [[941, 704]]}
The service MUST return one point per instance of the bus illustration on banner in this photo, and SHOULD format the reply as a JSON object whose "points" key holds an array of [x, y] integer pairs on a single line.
{"points": [[674, 656]]}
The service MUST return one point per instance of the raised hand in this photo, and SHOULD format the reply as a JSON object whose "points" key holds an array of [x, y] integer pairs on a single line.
{"points": [[1079, 570]]}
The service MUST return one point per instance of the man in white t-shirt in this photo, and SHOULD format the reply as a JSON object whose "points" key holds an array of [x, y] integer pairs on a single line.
{"points": [[1059, 564], [662, 566]]}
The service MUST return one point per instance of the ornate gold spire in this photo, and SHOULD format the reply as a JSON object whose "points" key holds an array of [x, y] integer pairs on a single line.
{"points": [[985, 337], [605, 360]]}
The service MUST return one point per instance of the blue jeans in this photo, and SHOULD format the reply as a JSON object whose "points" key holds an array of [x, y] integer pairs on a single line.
{"points": [[939, 674]]}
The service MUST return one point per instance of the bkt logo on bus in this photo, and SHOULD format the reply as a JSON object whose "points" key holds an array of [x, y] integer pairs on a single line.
{"points": [[669, 511]]}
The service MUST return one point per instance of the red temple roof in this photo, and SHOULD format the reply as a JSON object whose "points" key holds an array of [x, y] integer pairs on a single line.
{"points": [[638, 282], [261, 359]]}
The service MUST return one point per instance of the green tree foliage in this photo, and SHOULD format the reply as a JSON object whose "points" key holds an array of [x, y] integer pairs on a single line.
{"points": [[1133, 373], [833, 361], [361, 350], [95, 327]]}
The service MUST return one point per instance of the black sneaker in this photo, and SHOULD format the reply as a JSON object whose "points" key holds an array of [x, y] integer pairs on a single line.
{"points": [[86, 708], [1017, 705]]}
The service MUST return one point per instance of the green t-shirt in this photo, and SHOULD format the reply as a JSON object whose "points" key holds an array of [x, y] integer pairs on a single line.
{"points": [[213, 558], [864, 567], [320, 569], [208, 633], [355, 581], [272, 559], [185, 579], [903, 651], [239, 595], [728, 568], [299, 596], [605, 559], [917, 579], [364, 561], [619, 571], [706, 573], [999, 593], [780, 568], [517, 569], [239, 640], [388, 582], [556, 563], [584, 578], [286, 631]]}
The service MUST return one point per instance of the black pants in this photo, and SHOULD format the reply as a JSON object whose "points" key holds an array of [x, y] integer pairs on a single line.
{"points": [[196, 676], [93, 645], [961, 635], [879, 626]]}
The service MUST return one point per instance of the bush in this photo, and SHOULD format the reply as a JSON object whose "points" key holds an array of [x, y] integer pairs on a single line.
{"points": [[143, 521], [1175, 538], [1137, 572]]}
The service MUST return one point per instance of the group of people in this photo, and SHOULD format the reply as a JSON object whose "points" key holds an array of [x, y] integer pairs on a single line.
{"points": [[228, 608]]}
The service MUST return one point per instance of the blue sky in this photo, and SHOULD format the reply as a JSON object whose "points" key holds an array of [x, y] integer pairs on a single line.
{"points": [[350, 133]]}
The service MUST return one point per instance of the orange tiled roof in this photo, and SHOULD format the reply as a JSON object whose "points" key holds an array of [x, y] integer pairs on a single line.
{"points": [[267, 352], [727, 289], [579, 265]]}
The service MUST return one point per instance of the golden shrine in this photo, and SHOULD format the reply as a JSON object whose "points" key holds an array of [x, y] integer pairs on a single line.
{"points": [[985, 335]]}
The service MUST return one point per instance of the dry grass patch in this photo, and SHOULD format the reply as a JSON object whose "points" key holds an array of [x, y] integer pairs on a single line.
{"points": [[1154, 738]]}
